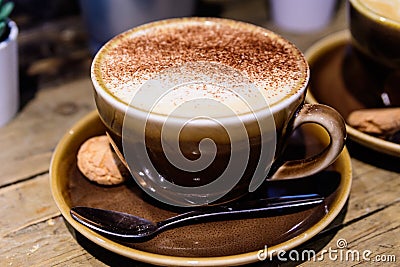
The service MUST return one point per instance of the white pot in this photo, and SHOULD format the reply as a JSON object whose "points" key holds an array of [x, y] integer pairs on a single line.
{"points": [[9, 85], [302, 15]]}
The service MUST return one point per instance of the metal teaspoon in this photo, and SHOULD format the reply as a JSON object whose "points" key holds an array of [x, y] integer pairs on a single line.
{"points": [[127, 227]]}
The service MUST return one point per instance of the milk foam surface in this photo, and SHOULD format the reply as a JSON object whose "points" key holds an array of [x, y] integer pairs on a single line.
{"points": [[251, 56], [387, 8]]}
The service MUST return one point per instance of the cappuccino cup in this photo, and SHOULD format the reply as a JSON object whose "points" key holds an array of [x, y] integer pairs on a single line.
{"points": [[375, 30], [375, 52], [202, 108]]}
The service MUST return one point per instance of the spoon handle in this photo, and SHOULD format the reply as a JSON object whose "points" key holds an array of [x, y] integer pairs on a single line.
{"points": [[239, 210]]}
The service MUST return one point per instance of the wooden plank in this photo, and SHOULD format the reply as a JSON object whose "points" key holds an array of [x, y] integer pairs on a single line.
{"points": [[359, 243], [50, 243], [372, 189], [44, 244], [378, 233], [28, 141], [26, 203], [30, 236]]}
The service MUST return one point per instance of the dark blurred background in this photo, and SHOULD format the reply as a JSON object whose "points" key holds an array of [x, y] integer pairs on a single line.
{"points": [[56, 37], [54, 40]]}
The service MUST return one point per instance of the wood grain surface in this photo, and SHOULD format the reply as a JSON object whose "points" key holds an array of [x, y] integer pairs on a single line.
{"points": [[33, 233]]}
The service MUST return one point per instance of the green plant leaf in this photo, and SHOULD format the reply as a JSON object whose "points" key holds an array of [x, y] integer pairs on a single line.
{"points": [[2, 28], [6, 10]]}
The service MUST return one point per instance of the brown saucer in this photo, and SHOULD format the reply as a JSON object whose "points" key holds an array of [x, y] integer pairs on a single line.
{"points": [[210, 244], [328, 85]]}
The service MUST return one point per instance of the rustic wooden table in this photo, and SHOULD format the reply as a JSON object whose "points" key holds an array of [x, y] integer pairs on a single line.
{"points": [[32, 231]]}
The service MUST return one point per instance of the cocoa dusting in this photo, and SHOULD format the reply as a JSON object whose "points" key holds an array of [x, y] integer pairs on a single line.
{"points": [[258, 53]]}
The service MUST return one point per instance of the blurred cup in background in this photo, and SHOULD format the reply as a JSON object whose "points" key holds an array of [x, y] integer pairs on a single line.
{"points": [[375, 52], [302, 15], [106, 18], [375, 30]]}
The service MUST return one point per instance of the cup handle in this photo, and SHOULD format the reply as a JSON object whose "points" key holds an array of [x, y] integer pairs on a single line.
{"points": [[333, 123]]}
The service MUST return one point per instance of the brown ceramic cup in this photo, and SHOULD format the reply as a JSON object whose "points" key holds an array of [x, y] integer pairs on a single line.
{"points": [[214, 102], [375, 30], [375, 39]]}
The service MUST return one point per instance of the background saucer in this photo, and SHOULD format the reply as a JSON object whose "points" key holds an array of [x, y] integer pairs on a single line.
{"points": [[211, 244], [327, 86]]}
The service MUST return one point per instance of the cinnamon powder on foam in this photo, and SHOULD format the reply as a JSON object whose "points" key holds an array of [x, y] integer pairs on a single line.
{"points": [[272, 64]]}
